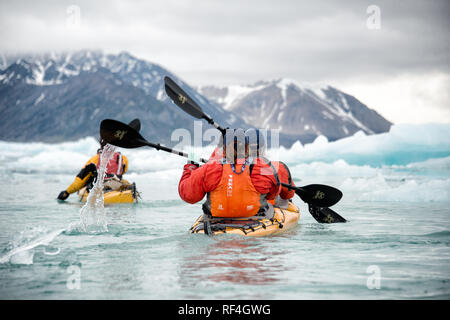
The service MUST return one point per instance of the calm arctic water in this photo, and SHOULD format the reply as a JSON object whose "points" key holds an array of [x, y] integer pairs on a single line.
{"points": [[396, 245]]}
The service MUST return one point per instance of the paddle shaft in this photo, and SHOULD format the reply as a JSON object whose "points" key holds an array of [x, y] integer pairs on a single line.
{"points": [[215, 124], [292, 187], [158, 147]]}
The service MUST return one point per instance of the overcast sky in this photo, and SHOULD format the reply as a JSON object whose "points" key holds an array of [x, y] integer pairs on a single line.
{"points": [[394, 57]]}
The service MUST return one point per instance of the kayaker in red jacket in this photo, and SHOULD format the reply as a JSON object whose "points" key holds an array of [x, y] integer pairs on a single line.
{"points": [[257, 152], [233, 186]]}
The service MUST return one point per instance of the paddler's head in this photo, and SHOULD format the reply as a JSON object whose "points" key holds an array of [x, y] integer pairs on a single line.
{"points": [[257, 142], [235, 146]]}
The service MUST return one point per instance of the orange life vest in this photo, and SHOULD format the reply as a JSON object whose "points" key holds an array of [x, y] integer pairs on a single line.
{"points": [[235, 196], [115, 165]]}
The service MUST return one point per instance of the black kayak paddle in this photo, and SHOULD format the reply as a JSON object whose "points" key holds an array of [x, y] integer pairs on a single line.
{"points": [[318, 195], [135, 124], [325, 215], [122, 135], [186, 103]]}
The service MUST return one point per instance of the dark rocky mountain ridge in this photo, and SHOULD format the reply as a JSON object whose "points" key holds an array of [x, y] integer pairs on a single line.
{"points": [[55, 97]]}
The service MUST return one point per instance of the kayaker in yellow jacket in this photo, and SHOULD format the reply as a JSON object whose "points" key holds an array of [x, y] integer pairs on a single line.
{"points": [[88, 174], [116, 167]]}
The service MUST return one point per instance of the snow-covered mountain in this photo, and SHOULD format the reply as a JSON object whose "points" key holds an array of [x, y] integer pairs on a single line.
{"points": [[74, 91], [298, 110], [64, 96]]}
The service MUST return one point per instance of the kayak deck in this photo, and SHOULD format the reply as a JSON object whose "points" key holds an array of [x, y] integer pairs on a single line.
{"points": [[129, 195], [283, 220]]}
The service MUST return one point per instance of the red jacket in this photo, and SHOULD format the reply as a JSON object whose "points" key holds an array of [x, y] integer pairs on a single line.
{"points": [[285, 177], [196, 182]]}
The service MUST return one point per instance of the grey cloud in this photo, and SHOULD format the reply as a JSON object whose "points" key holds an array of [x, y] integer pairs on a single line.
{"points": [[250, 40]]}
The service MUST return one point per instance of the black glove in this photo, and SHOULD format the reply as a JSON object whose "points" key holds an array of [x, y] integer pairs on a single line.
{"points": [[63, 195], [194, 163]]}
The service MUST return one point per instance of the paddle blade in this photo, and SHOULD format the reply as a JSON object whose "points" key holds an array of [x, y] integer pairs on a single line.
{"points": [[319, 195], [120, 134], [325, 215], [135, 124], [182, 99]]}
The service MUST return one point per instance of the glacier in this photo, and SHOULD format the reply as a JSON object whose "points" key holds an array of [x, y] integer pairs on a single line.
{"points": [[409, 163]]}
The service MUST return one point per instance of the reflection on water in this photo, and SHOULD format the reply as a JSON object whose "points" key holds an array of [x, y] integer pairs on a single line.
{"points": [[238, 260]]}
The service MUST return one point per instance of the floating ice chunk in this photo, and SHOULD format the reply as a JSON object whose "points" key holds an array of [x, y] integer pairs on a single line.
{"points": [[40, 98]]}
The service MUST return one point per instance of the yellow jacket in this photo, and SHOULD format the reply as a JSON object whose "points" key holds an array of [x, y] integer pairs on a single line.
{"points": [[87, 172]]}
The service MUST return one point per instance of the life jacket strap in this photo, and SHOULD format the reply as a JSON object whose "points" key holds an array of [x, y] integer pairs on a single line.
{"points": [[233, 167], [275, 172], [289, 172]]}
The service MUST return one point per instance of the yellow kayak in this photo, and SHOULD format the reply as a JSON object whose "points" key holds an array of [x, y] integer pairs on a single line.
{"points": [[124, 195], [283, 220]]}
